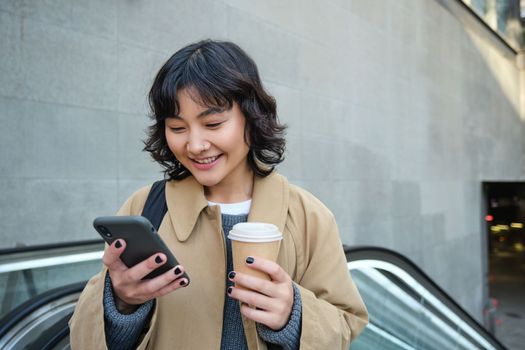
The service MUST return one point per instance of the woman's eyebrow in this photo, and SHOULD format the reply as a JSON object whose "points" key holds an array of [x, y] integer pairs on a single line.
{"points": [[211, 110]]}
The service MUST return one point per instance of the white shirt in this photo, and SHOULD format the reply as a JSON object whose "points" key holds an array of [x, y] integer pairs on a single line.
{"points": [[240, 208]]}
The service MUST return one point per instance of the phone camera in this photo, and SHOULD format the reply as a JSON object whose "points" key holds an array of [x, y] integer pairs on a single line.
{"points": [[104, 230]]}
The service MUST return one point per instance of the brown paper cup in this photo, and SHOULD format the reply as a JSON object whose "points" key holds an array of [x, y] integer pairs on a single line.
{"points": [[254, 239], [242, 250]]}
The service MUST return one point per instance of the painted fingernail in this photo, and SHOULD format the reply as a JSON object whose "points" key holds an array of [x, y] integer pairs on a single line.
{"points": [[183, 283], [177, 271], [118, 244], [250, 260], [229, 290], [158, 259], [231, 275]]}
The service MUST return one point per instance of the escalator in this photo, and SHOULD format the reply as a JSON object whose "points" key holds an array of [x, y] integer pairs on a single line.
{"points": [[39, 289], [407, 309], [42, 322]]}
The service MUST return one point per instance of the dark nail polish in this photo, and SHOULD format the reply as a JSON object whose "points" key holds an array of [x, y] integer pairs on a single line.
{"points": [[158, 259], [177, 271], [231, 275], [183, 283], [118, 244], [249, 260], [230, 290]]}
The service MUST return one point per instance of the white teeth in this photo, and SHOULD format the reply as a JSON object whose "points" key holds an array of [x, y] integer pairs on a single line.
{"points": [[206, 161]]}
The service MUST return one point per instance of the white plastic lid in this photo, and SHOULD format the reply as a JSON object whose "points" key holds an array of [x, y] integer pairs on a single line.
{"points": [[255, 232]]}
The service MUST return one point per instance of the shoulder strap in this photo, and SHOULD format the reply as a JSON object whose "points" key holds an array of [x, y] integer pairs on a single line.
{"points": [[155, 207]]}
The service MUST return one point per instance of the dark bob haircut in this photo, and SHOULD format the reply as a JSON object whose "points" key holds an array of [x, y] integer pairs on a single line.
{"points": [[216, 74]]}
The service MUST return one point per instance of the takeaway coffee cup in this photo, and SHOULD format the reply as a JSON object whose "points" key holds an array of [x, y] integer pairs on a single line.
{"points": [[254, 239]]}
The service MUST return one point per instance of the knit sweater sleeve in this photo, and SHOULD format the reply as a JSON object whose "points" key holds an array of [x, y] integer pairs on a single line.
{"points": [[289, 336], [123, 331]]}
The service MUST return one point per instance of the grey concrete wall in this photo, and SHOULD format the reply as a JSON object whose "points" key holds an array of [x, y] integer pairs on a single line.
{"points": [[397, 112]]}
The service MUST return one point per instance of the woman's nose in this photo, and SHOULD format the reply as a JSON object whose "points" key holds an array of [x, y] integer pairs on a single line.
{"points": [[197, 145]]}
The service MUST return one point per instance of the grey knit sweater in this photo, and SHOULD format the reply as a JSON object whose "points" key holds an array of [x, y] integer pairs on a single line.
{"points": [[123, 331]]}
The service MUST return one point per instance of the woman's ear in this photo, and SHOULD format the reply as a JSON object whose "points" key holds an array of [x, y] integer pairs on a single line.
{"points": [[247, 133]]}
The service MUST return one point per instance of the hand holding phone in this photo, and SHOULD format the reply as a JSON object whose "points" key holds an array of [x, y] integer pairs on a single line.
{"points": [[140, 264], [141, 239]]}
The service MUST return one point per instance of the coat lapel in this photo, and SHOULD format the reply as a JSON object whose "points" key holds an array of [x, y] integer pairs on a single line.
{"points": [[185, 200], [270, 200]]}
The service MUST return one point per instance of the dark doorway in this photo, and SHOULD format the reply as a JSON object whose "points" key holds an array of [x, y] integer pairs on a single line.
{"points": [[505, 227]]}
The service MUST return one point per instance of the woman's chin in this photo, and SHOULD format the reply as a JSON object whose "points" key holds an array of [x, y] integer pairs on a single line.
{"points": [[206, 181]]}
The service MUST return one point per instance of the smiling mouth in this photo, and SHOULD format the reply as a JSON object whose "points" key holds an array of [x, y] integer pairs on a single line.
{"points": [[206, 160]]}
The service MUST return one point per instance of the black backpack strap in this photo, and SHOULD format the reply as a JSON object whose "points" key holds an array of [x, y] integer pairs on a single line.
{"points": [[155, 207]]}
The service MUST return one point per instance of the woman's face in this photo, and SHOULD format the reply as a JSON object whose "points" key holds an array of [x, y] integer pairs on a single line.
{"points": [[210, 143]]}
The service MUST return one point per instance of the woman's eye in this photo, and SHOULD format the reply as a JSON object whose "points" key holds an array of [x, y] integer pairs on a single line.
{"points": [[177, 130], [213, 125]]}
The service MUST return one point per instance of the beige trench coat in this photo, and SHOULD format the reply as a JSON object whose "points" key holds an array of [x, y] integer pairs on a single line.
{"points": [[333, 312]]}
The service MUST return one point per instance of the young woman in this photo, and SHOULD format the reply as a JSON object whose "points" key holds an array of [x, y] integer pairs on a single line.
{"points": [[217, 135]]}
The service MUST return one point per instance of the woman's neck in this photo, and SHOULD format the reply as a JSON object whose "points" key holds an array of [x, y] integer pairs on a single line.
{"points": [[230, 192]]}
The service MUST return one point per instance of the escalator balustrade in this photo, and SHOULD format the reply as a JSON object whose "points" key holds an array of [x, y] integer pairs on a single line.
{"points": [[407, 309]]}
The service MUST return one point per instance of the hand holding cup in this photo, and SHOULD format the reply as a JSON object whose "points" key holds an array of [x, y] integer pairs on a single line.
{"points": [[261, 285], [268, 302]]}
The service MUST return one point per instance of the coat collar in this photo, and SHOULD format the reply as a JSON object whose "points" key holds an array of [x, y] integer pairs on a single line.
{"points": [[270, 200], [185, 200]]}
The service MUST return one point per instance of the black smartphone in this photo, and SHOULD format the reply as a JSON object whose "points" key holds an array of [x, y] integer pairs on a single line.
{"points": [[142, 241]]}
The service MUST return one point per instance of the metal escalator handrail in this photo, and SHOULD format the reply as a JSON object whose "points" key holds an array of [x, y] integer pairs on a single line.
{"points": [[63, 259], [358, 253], [53, 246], [19, 313], [17, 259], [56, 336]]}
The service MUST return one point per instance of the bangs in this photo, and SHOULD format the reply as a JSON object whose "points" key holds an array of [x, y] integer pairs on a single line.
{"points": [[208, 81]]}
